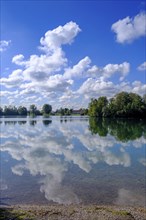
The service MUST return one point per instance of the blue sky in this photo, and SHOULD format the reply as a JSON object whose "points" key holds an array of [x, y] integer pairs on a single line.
{"points": [[67, 52]]}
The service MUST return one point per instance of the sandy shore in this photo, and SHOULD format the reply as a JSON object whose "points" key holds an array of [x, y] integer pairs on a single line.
{"points": [[71, 212]]}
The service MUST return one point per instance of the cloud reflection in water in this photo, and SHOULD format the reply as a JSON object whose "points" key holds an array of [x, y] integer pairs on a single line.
{"points": [[47, 149]]}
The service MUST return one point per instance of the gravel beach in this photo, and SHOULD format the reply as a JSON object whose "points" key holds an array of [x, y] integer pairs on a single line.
{"points": [[71, 212]]}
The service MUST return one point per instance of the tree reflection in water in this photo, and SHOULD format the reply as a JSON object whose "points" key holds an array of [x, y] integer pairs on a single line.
{"points": [[123, 130]]}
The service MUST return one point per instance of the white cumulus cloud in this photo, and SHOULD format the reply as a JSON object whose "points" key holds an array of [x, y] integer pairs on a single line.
{"points": [[111, 69], [79, 69], [129, 29], [18, 59], [14, 79], [95, 88], [61, 35]]}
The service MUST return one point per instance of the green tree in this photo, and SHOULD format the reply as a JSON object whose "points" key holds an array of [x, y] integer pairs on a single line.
{"points": [[93, 108], [32, 110], [61, 111], [83, 111], [122, 105], [46, 109], [1, 111], [102, 106], [129, 104], [112, 108], [122, 99], [22, 110], [144, 99], [10, 110], [66, 111], [98, 108]]}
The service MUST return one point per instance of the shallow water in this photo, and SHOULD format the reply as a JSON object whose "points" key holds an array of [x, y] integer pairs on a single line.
{"points": [[72, 160]]}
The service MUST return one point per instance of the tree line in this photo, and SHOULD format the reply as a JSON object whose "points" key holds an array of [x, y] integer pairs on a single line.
{"points": [[23, 111], [34, 111], [122, 105]]}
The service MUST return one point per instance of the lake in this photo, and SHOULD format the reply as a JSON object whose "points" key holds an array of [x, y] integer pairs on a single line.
{"points": [[73, 160]]}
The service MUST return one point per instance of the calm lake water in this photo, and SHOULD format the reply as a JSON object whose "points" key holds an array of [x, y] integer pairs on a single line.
{"points": [[72, 160]]}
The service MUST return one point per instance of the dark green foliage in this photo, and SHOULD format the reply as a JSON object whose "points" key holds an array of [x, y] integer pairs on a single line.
{"points": [[67, 111], [22, 110], [1, 111], [98, 126], [32, 110], [64, 111], [98, 108], [10, 110], [13, 111], [144, 99], [124, 104], [46, 109], [14, 214], [47, 122], [83, 111], [122, 129]]}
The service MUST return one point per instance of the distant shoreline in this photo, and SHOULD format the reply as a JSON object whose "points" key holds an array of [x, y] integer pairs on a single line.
{"points": [[68, 116]]}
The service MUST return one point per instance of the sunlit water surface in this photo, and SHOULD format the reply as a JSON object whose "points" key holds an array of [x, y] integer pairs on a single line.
{"points": [[72, 160]]}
